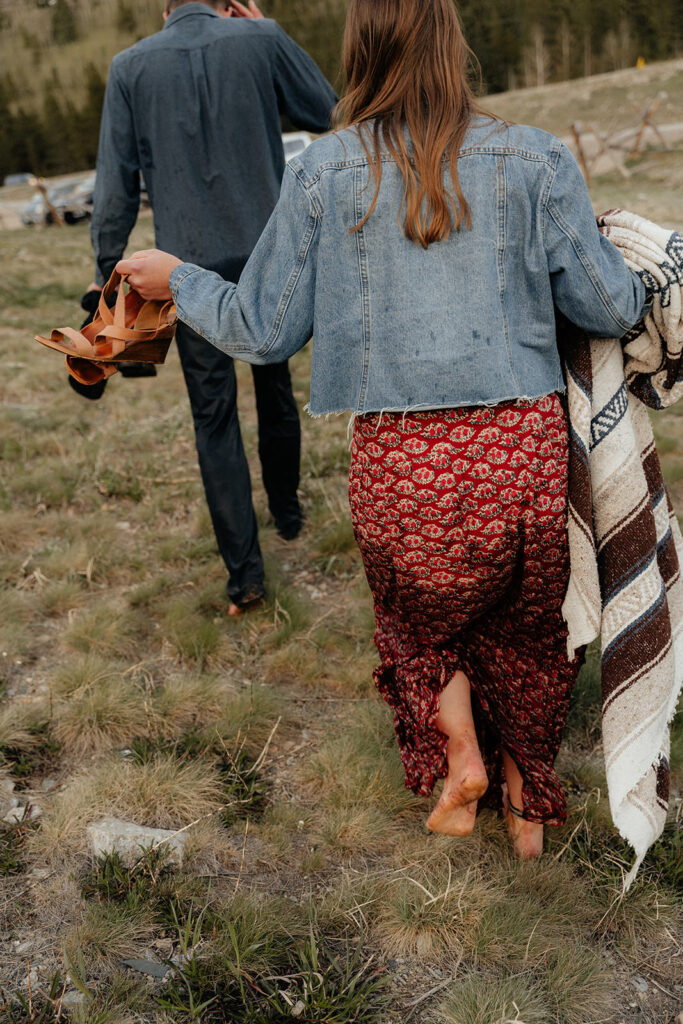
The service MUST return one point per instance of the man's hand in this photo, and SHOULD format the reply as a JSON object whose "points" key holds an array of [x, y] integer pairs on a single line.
{"points": [[148, 273], [238, 10]]}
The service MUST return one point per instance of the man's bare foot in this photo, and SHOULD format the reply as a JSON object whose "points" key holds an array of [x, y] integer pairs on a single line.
{"points": [[456, 811], [251, 601]]}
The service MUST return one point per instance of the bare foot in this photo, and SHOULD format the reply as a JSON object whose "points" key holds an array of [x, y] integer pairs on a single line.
{"points": [[526, 836], [456, 811]]}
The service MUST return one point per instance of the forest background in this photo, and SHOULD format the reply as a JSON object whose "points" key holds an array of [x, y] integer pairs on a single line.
{"points": [[54, 56]]}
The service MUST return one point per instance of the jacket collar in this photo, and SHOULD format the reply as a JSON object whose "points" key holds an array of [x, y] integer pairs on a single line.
{"points": [[189, 9]]}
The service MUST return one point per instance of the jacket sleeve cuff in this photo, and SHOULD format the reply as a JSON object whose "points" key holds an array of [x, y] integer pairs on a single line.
{"points": [[178, 275]]}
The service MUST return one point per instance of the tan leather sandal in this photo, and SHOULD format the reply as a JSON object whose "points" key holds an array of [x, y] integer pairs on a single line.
{"points": [[134, 331]]}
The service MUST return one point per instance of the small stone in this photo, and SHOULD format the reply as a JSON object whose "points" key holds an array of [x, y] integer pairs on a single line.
{"points": [[639, 982], [73, 999], [164, 947], [21, 814], [130, 841], [22, 947], [31, 978], [298, 1008], [7, 785], [47, 785], [149, 967]]}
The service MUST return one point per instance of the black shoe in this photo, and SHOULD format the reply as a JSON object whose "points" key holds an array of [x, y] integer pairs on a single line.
{"points": [[290, 529], [137, 369], [91, 391]]}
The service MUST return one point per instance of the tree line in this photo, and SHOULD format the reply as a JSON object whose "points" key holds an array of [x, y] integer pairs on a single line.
{"points": [[517, 43]]}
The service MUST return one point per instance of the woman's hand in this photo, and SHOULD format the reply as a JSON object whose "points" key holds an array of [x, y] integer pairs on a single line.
{"points": [[148, 273]]}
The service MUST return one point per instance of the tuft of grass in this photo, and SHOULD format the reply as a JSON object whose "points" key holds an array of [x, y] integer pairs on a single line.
{"points": [[576, 985], [42, 1008], [427, 913], [290, 614], [194, 637], [108, 932], [244, 789], [247, 719], [164, 792], [15, 632], [22, 728], [494, 1000], [102, 715], [61, 597], [188, 701], [357, 782], [12, 844], [319, 979], [105, 630]]}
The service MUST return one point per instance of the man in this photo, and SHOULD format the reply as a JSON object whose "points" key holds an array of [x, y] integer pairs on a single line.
{"points": [[196, 109]]}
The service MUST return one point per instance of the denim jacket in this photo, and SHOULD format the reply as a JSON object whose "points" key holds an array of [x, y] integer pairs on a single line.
{"points": [[468, 321]]}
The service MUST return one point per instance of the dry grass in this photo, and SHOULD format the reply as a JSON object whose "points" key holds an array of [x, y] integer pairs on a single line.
{"points": [[108, 933], [100, 716], [162, 793], [112, 614]]}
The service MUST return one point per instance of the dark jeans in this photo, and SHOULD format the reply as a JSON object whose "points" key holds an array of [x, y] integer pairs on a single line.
{"points": [[212, 388]]}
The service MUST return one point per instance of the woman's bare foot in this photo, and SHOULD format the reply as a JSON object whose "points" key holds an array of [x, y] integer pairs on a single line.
{"points": [[455, 813], [526, 836]]}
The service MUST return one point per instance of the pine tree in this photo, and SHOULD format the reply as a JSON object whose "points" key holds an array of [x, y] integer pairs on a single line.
{"points": [[64, 23]]}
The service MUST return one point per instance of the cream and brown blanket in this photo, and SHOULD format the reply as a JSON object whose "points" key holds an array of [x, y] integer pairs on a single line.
{"points": [[625, 544]]}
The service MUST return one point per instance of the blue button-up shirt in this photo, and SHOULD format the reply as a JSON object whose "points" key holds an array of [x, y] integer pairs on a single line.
{"points": [[196, 108]]}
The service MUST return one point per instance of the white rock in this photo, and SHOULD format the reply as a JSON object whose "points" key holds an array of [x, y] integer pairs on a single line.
{"points": [[73, 999], [22, 947], [16, 815], [7, 785], [31, 978], [129, 841], [47, 785]]}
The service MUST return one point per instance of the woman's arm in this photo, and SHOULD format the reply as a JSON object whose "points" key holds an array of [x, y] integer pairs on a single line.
{"points": [[268, 316], [591, 283]]}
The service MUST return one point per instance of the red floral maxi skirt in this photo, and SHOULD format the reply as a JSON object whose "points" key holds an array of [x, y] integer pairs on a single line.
{"points": [[461, 519]]}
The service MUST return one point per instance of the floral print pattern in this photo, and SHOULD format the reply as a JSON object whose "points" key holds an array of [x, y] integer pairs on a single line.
{"points": [[461, 520]]}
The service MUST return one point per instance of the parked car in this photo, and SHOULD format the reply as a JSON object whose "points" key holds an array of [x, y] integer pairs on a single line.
{"points": [[37, 211], [295, 143], [18, 179], [78, 204]]}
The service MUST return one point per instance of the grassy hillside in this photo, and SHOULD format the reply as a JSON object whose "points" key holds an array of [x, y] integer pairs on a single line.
{"points": [[311, 889]]}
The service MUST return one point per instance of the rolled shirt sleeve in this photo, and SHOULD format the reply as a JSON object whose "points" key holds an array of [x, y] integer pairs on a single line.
{"points": [[268, 316], [591, 283], [117, 186], [303, 92]]}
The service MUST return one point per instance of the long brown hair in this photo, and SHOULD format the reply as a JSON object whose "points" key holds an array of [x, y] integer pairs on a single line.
{"points": [[407, 64]]}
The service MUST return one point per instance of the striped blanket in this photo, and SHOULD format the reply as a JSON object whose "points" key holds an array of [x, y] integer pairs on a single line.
{"points": [[625, 543]]}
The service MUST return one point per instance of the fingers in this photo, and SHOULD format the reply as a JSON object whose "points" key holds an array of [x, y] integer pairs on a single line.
{"points": [[241, 10]]}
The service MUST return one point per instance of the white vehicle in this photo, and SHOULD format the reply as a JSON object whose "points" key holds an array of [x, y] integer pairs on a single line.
{"points": [[295, 143]]}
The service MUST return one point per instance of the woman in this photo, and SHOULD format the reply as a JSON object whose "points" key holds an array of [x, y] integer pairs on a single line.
{"points": [[425, 245]]}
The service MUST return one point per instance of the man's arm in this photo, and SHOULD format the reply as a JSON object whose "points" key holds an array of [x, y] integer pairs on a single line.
{"points": [[303, 92], [117, 188]]}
